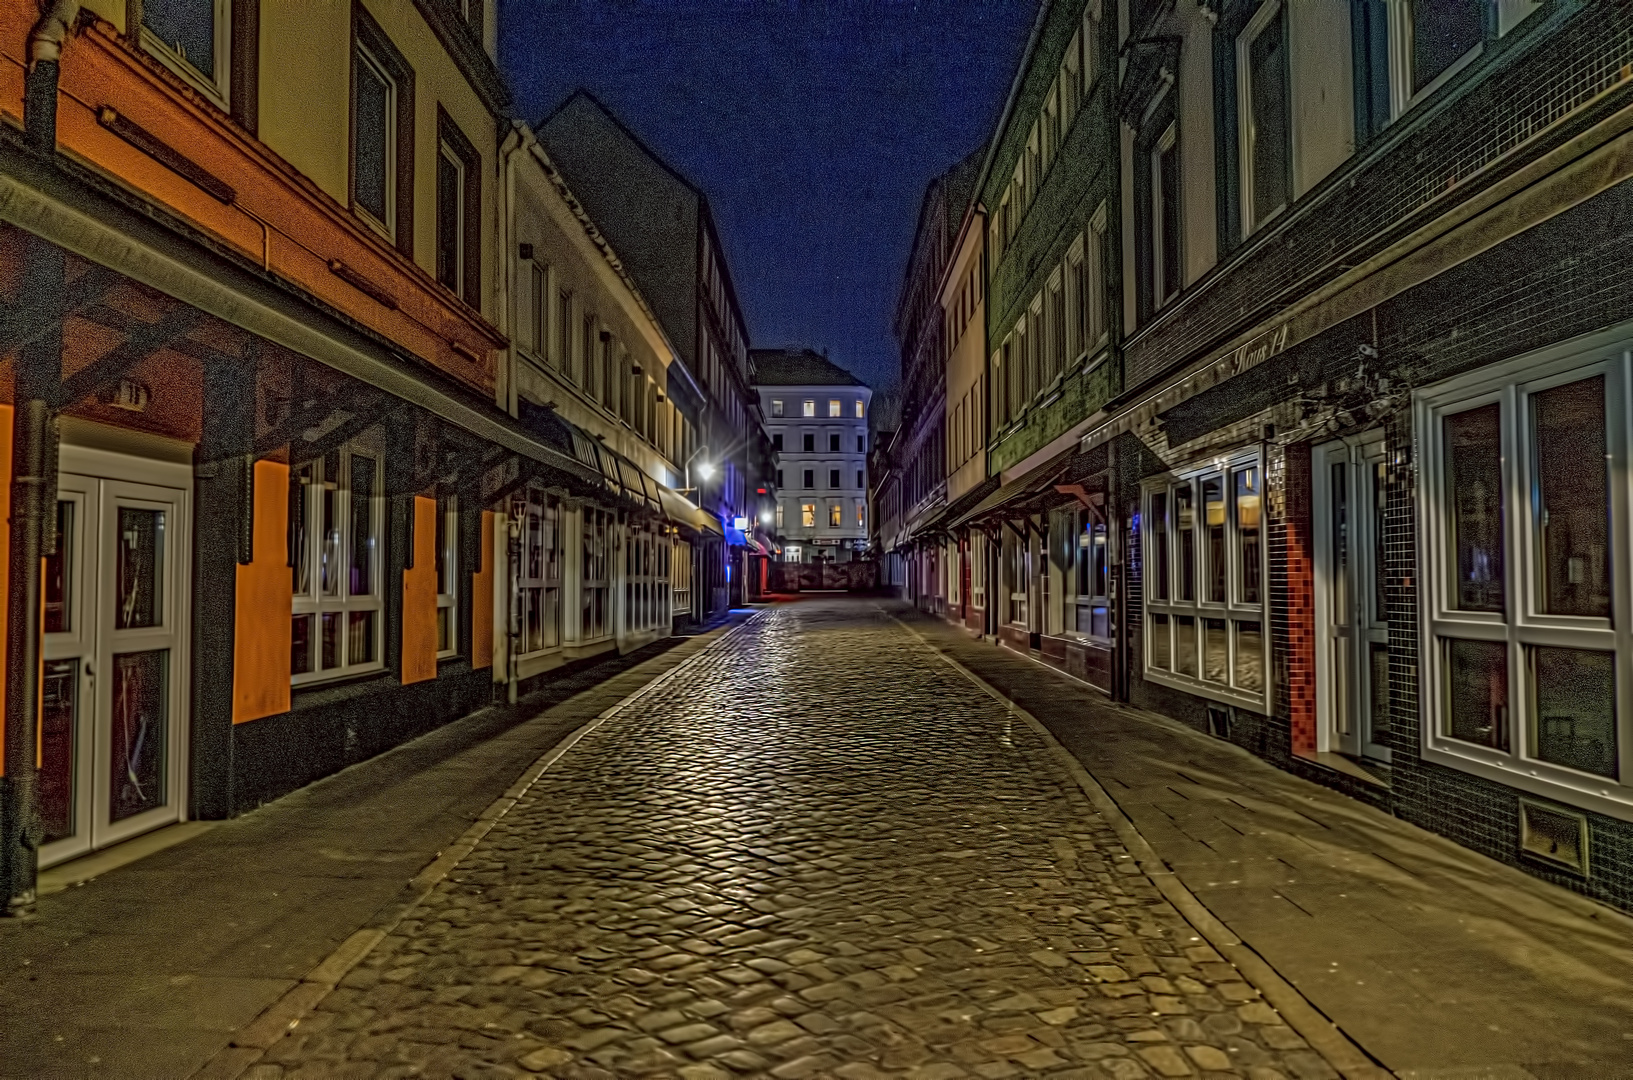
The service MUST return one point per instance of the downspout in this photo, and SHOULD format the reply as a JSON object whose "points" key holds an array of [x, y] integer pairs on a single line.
{"points": [[33, 491]]}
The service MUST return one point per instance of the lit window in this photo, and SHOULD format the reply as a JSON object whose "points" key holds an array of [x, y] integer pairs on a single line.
{"points": [[335, 526], [860, 409], [779, 515], [808, 408], [807, 514], [836, 515], [1204, 592], [861, 514], [1261, 65], [776, 408], [833, 407], [1523, 663]]}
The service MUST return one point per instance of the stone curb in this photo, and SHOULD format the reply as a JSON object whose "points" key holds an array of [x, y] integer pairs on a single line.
{"points": [[1314, 1026], [282, 1016]]}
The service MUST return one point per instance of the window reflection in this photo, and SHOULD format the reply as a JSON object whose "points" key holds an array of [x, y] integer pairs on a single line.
{"points": [[1474, 490], [1576, 709], [1477, 692], [1573, 484]]}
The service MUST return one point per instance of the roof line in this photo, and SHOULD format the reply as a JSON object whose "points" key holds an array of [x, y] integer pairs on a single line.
{"points": [[629, 133]]}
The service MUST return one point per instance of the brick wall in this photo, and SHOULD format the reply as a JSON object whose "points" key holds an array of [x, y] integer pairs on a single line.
{"points": [[1292, 592]]}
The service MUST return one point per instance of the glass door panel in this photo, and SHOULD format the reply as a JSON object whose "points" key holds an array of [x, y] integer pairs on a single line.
{"points": [[68, 591]]}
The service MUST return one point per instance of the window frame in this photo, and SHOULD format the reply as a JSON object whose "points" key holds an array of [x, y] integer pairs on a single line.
{"points": [[1232, 610], [383, 54], [1271, 11], [1166, 142], [1401, 96], [536, 505], [448, 564], [311, 603], [1523, 625], [452, 140], [220, 87]]}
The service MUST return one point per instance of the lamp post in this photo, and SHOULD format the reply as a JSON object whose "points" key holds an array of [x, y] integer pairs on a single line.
{"points": [[704, 472]]}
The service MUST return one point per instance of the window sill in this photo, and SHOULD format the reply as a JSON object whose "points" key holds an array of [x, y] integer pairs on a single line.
{"points": [[1579, 790], [314, 695], [1259, 703]]}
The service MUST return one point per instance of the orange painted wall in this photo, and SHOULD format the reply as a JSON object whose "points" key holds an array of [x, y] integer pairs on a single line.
{"points": [[264, 605], [5, 555], [482, 600], [420, 597]]}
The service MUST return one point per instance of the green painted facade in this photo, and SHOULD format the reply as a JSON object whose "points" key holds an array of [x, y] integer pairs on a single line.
{"points": [[1083, 176]]}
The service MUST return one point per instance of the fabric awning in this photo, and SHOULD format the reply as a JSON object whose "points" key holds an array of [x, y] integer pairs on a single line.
{"points": [[1037, 481], [678, 510]]}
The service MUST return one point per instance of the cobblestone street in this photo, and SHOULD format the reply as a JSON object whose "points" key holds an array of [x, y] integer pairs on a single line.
{"points": [[818, 851]]}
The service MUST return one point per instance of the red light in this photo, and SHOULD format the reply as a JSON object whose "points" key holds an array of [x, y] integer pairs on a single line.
{"points": [[759, 491]]}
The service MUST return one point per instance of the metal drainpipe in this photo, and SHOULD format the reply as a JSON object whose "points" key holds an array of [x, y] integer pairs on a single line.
{"points": [[33, 492]]}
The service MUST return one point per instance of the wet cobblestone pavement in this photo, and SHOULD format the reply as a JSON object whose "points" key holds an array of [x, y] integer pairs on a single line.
{"points": [[820, 851]]}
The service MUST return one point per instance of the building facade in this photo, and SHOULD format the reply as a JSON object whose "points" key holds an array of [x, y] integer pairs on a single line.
{"points": [[1294, 472], [662, 228], [817, 415], [281, 452]]}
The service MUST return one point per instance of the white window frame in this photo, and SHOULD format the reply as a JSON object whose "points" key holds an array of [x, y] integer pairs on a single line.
{"points": [[776, 407], [1166, 142], [388, 226], [217, 89], [1245, 132], [448, 602], [808, 409], [1510, 384], [1232, 610], [680, 576], [598, 538], [311, 602], [538, 507], [1401, 97]]}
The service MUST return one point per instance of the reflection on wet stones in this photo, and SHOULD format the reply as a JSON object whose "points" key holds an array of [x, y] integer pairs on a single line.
{"points": [[817, 852]]}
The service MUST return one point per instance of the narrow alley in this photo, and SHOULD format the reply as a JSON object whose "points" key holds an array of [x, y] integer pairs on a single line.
{"points": [[811, 846]]}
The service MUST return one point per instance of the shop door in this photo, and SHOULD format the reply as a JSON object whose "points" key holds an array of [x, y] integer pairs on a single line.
{"points": [[1352, 623], [114, 694]]}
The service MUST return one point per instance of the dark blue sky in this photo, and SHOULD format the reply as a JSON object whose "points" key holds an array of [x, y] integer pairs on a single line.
{"points": [[812, 127]]}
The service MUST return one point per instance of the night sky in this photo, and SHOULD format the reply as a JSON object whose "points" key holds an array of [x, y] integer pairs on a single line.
{"points": [[812, 127]]}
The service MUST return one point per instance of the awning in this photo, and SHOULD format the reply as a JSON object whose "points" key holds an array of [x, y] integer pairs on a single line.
{"points": [[618, 476], [1039, 481], [678, 510]]}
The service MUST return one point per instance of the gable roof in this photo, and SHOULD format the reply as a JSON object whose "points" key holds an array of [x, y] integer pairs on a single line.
{"points": [[797, 367]]}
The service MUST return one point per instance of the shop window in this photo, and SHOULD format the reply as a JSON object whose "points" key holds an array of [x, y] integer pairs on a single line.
{"points": [[1092, 575], [1524, 615], [447, 575], [680, 577], [335, 528], [1202, 533], [595, 587], [539, 575]]}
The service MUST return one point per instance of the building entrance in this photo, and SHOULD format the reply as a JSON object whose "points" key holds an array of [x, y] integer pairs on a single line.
{"points": [[1352, 621], [112, 721]]}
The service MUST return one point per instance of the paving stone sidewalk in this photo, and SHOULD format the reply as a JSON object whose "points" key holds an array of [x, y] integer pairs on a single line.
{"points": [[819, 852], [1439, 962]]}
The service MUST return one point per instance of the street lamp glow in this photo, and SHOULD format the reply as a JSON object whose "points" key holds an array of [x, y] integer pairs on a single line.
{"points": [[765, 517], [705, 470]]}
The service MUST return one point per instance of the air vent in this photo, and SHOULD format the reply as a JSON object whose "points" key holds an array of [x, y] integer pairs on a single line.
{"points": [[1556, 836]]}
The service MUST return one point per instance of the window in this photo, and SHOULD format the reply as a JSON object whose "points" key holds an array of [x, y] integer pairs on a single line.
{"points": [[810, 443], [1204, 582], [194, 39], [447, 575], [1091, 45], [1166, 276], [779, 515], [833, 408], [861, 444], [776, 442], [538, 578], [1056, 327], [860, 409], [1526, 649], [1428, 41], [810, 479], [1090, 564], [538, 308], [808, 408], [382, 132], [861, 514], [776, 408], [1071, 83], [1017, 576], [564, 333], [833, 443], [596, 582], [833, 478], [646, 577], [335, 528], [459, 210], [680, 576], [859, 479], [807, 514], [1265, 125], [836, 515]]}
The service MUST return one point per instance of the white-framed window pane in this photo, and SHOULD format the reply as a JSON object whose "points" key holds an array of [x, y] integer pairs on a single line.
{"points": [[776, 408], [1474, 490], [1442, 33], [808, 408], [361, 500], [1249, 672], [1267, 150], [373, 118], [188, 28], [1476, 698], [1162, 643], [1569, 439], [1249, 549], [1574, 692]]}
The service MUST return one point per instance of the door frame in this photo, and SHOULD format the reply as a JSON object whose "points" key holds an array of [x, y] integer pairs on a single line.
{"points": [[173, 476], [1361, 540]]}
